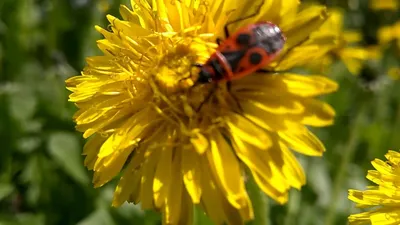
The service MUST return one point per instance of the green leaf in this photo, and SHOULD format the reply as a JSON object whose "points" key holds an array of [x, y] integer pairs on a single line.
{"points": [[31, 171], [318, 178], [31, 219], [33, 194], [128, 210], [151, 217], [99, 217], [28, 144], [53, 94], [64, 148], [200, 218], [260, 202], [32, 126], [22, 219], [5, 190], [32, 175], [22, 105]]}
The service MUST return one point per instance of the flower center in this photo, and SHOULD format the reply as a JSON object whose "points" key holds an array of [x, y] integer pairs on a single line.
{"points": [[177, 56], [175, 68]]}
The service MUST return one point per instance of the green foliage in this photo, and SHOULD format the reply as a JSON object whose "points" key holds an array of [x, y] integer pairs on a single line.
{"points": [[42, 178]]}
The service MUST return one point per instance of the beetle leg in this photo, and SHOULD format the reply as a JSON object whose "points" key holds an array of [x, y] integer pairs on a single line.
{"points": [[219, 41], [226, 30], [206, 98], [243, 18], [229, 87], [268, 71], [264, 71]]}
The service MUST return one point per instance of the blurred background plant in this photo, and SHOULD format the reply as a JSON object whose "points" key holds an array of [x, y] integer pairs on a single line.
{"points": [[42, 177]]}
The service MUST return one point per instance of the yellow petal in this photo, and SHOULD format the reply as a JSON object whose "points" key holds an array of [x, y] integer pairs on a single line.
{"points": [[248, 131], [268, 188], [296, 57], [353, 58], [128, 134], [291, 168], [128, 184], [186, 214], [231, 213], [226, 170], [317, 113], [113, 121], [178, 15], [308, 86], [90, 150], [352, 36], [360, 219], [304, 142], [271, 11], [266, 120], [289, 9], [173, 205], [128, 15], [162, 177], [143, 10], [386, 34], [108, 167], [384, 4], [393, 157], [247, 8], [334, 23], [289, 83], [137, 159], [382, 166], [270, 101], [191, 175], [260, 164], [200, 143], [147, 179], [305, 22], [210, 195], [394, 73], [386, 218], [129, 29]]}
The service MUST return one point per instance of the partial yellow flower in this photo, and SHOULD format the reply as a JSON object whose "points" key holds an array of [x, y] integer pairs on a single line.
{"points": [[388, 34], [344, 48], [103, 5], [394, 73], [140, 105], [384, 4], [384, 197]]}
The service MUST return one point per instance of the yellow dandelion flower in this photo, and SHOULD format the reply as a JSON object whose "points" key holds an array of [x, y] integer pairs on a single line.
{"points": [[343, 49], [394, 73], [103, 5], [384, 4], [388, 34], [140, 105], [384, 197]]}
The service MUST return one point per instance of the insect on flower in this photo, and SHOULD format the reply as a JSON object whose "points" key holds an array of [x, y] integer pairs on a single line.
{"points": [[246, 51]]}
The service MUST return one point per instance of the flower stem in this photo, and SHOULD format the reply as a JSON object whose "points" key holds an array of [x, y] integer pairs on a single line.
{"points": [[260, 203], [348, 154]]}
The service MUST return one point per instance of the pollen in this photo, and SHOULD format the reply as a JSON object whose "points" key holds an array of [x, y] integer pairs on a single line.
{"points": [[175, 67], [176, 59]]}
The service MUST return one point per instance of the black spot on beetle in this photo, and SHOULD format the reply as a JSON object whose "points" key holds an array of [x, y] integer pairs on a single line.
{"points": [[255, 58], [243, 39]]}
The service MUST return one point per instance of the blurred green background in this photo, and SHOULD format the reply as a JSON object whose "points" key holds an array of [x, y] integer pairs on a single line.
{"points": [[42, 177]]}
